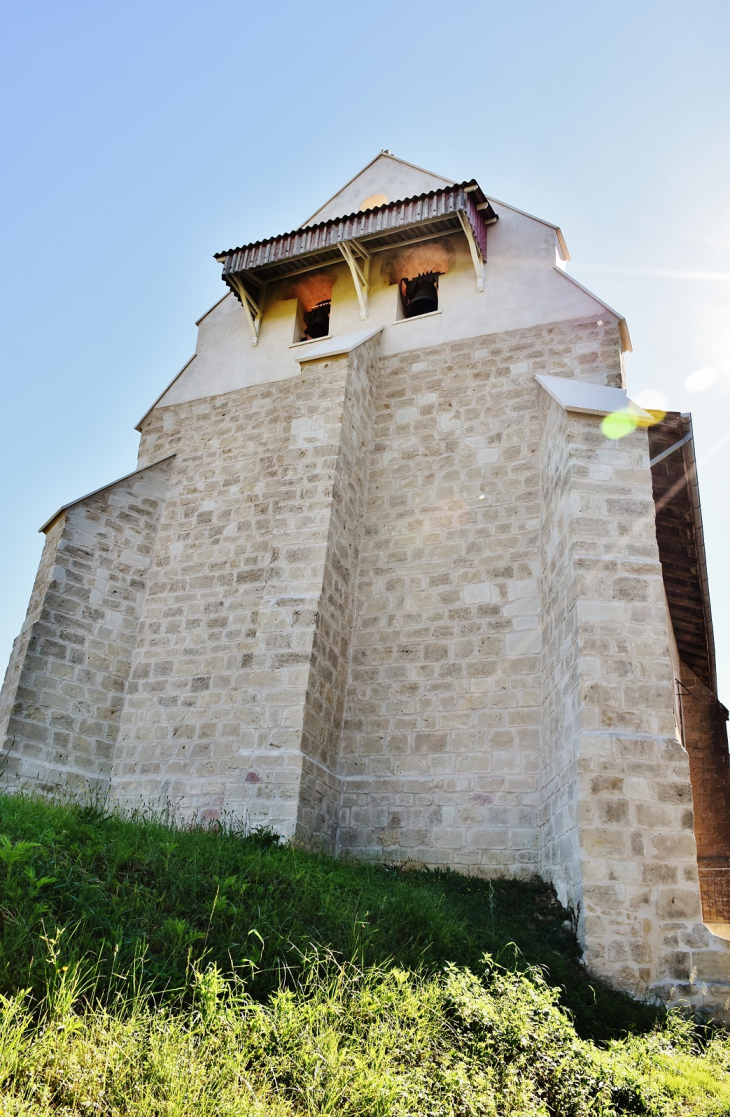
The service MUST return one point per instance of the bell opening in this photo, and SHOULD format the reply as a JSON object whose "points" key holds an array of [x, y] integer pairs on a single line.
{"points": [[420, 295], [316, 322]]}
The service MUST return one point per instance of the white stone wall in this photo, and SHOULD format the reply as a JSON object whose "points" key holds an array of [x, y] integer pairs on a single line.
{"points": [[405, 606], [522, 288], [237, 686], [64, 688], [440, 754], [325, 700], [617, 823], [559, 843], [10, 697]]}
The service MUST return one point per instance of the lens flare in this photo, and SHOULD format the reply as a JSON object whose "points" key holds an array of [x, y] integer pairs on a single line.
{"points": [[651, 399], [618, 424], [654, 402]]}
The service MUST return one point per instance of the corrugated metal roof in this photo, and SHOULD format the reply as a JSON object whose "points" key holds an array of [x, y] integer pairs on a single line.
{"points": [[385, 224]]}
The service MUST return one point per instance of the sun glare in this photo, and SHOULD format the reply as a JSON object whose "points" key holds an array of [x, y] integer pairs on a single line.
{"points": [[701, 379], [618, 424]]}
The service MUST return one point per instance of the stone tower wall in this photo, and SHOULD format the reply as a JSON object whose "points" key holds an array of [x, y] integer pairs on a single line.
{"points": [[440, 752], [619, 841], [238, 678], [407, 607], [559, 796], [65, 684], [325, 700], [12, 699]]}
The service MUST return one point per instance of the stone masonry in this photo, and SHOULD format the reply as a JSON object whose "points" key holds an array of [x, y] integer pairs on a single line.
{"points": [[238, 679], [400, 603], [66, 681]]}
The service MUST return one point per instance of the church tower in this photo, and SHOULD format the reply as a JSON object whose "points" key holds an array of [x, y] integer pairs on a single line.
{"points": [[404, 572]]}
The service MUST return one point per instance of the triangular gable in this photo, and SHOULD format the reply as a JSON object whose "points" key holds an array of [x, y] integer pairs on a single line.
{"points": [[384, 175]]}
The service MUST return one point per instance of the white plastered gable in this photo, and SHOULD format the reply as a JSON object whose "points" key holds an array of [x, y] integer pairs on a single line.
{"points": [[386, 175]]}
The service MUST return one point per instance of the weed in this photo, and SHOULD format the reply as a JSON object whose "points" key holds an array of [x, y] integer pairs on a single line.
{"points": [[126, 889], [152, 968]]}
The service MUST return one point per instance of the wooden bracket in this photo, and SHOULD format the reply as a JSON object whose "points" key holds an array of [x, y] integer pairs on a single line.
{"points": [[358, 261], [252, 309], [476, 256]]}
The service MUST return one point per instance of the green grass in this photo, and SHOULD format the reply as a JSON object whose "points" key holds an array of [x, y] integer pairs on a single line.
{"points": [[140, 894], [149, 969]]}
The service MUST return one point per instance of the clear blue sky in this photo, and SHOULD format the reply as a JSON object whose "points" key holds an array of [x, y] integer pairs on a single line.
{"points": [[139, 138]]}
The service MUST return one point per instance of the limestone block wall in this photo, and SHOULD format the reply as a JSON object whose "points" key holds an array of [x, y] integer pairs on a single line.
{"points": [[407, 607], [631, 805], [440, 752], [10, 696], [65, 684], [559, 858], [237, 676], [325, 699]]}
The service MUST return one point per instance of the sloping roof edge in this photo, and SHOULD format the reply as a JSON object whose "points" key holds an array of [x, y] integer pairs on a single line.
{"points": [[102, 488], [541, 220], [212, 308], [152, 406], [388, 155], [588, 398], [623, 327]]}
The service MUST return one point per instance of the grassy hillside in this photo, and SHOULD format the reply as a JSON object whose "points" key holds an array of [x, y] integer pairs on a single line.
{"points": [[149, 969]]}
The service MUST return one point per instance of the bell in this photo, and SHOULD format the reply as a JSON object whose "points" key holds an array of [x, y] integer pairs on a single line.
{"points": [[420, 295], [317, 320]]}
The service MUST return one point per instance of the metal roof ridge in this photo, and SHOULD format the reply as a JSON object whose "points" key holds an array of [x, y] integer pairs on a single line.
{"points": [[346, 217]]}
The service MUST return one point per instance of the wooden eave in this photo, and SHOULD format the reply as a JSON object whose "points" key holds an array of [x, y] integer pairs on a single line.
{"points": [[398, 223], [681, 544]]}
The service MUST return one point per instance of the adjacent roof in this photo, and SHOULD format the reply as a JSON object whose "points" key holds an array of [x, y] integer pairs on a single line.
{"points": [[395, 223], [102, 489], [332, 346], [590, 399], [681, 543]]}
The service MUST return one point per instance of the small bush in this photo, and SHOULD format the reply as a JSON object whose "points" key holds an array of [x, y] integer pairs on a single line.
{"points": [[357, 1042]]}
